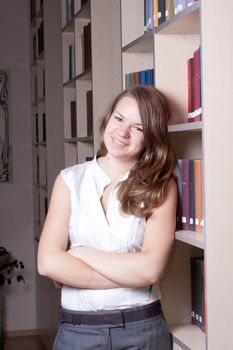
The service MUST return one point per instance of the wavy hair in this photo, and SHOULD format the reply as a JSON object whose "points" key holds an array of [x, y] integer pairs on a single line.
{"points": [[145, 187]]}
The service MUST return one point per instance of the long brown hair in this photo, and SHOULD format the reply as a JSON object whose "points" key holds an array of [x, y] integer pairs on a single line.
{"points": [[145, 187]]}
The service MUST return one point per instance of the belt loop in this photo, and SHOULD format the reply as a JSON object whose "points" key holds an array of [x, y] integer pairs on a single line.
{"points": [[123, 318], [76, 319]]}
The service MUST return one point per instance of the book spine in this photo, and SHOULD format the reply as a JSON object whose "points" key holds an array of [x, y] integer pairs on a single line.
{"points": [[179, 6], [195, 69], [185, 194], [155, 13], [193, 290], [169, 9], [199, 82], [44, 127], [198, 263], [178, 171], [198, 194], [203, 324], [191, 196], [161, 11], [73, 118], [89, 113]]}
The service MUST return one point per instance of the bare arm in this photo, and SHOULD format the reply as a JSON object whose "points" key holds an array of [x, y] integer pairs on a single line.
{"points": [[146, 267], [53, 259]]}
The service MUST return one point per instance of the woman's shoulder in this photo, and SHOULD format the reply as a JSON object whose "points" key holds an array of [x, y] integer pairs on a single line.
{"points": [[74, 172]]}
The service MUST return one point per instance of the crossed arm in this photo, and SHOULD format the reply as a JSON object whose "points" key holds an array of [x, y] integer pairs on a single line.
{"points": [[86, 267]]}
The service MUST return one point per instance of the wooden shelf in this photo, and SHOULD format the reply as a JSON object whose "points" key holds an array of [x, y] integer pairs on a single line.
{"points": [[84, 12], [195, 126], [85, 139], [144, 43], [69, 27], [190, 237], [188, 336]]}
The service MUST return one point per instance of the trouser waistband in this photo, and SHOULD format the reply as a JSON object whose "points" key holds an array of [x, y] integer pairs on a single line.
{"points": [[114, 317]]}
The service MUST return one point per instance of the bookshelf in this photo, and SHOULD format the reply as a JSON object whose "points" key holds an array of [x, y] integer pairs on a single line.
{"points": [[166, 49], [91, 55], [38, 107], [47, 134]]}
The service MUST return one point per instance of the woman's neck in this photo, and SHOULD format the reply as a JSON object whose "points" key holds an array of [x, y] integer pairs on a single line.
{"points": [[113, 167]]}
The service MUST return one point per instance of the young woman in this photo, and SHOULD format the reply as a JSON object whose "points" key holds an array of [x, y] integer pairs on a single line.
{"points": [[116, 214]]}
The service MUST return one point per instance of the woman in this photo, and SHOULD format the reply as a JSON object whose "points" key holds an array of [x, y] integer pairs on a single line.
{"points": [[117, 215]]}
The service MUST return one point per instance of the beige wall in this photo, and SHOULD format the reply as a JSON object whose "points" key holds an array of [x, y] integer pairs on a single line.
{"points": [[16, 209]]}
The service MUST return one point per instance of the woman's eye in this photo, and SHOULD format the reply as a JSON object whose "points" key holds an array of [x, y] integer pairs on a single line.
{"points": [[137, 128], [118, 118]]}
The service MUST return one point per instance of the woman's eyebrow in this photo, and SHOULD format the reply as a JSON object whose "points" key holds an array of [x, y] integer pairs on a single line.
{"points": [[124, 117]]}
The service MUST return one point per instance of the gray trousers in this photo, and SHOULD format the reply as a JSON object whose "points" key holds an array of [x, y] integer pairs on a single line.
{"points": [[149, 334]]}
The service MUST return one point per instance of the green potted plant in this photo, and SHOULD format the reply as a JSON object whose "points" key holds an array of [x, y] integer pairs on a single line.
{"points": [[9, 268]]}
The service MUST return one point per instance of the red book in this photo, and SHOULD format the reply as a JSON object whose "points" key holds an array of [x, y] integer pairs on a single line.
{"points": [[196, 92], [189, 88]]}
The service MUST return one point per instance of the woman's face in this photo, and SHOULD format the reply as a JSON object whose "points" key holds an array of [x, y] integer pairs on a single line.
{"points": [[123, 135]]}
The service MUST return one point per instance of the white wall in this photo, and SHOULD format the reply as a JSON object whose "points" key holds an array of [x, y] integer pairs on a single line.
{"points": [[16, 211]]}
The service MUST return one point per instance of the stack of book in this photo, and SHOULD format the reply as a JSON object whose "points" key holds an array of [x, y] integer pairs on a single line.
{"points": [[189, 181], [144, 77], [198, 292], [158, 11], [194, 86]]}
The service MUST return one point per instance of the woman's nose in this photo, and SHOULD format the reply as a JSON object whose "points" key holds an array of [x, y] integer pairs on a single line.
{"points": [[124, 131]]}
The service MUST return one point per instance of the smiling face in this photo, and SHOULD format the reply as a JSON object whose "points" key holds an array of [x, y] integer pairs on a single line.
{"points": [[123, 135]]}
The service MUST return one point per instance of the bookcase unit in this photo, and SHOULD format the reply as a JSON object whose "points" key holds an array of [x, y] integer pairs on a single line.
{"points": [[38, 107], [166, 48], [47, 136], [91, 72]]}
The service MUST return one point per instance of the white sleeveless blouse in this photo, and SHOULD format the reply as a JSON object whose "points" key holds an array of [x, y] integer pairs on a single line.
{"points": [[89, 226]]}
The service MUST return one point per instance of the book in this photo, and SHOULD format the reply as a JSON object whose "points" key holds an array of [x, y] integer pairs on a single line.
{"points": [[185, 197], [150, 19], [198, 194], [194, 86], [193, 290], [87, 46], [155, 13], [203, 324], [191, 195], [36, 128], [197, 289], [161, 11], [89, 113], [146, 15], [144, 77], [43, 127], [198, 292], [72, 68], [179, 5], [169, 9], [178, 172], [33, 9], [69, 10], [73, 119]]}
